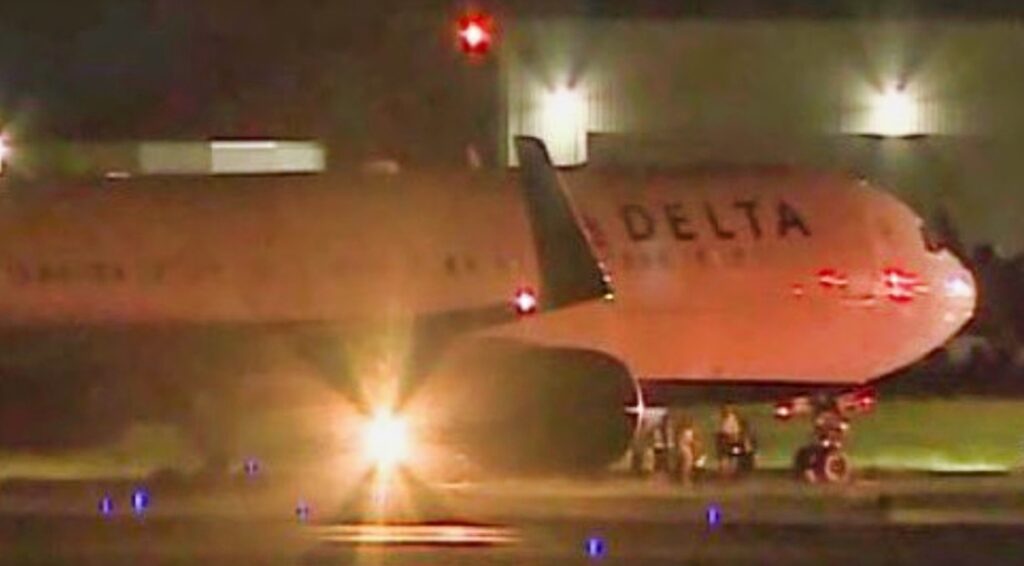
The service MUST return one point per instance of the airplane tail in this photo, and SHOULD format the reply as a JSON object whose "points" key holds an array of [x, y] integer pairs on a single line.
{"points": [[570, 272]]}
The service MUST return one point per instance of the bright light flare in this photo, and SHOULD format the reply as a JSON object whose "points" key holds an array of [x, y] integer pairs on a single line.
{"points": [[564, 104], [443, 535], [895, 113], [475, 34], [859, 401], [386, 440], [783, 411], [560, 116], [5, 152], [525, 301]]}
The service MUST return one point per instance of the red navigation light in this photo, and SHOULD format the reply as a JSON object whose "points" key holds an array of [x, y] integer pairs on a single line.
{"points": [[476, 32], [858, 401], [525, 301], [866, 399]]}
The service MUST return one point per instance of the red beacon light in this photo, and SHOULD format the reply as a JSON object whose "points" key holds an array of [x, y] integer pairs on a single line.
{"points": [[859, 401], [866, 400], [476, 33], [525, 301]]}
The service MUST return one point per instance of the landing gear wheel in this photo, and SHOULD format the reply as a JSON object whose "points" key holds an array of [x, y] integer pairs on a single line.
{"points": [[834, 467], [818, 464]]}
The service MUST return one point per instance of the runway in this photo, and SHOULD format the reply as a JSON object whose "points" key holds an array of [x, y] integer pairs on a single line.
{"points": [[767, 519]]}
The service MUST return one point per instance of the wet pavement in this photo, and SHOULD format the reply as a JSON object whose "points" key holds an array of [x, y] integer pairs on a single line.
{"points": [[766, 520]]}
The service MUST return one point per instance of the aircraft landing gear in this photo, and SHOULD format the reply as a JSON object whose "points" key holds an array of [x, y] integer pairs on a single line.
{"points": [[823, 459], [818, 463]]}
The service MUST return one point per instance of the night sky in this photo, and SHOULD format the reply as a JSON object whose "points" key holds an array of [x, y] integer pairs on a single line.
{"points": [[132, 68]]}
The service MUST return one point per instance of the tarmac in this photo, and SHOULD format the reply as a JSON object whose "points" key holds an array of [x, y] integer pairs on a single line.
{"points": [[765, 519]]}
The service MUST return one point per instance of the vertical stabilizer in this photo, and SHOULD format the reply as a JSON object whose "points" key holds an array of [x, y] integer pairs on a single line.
{"points": [[570, 272]]}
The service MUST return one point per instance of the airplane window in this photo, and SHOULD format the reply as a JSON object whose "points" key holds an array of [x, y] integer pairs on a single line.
{"points": [[117, 273], [643, 260], [627, 261], [100, 272], [664, 261], [45, 274], [156, 273], [18, 273], [450, 265]]}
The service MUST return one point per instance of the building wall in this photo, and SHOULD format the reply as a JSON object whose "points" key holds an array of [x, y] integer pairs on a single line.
{"points": [[804, 92]]}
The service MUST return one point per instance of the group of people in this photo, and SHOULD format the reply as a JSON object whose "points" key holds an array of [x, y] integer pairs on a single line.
{"points": [[673, 445]]}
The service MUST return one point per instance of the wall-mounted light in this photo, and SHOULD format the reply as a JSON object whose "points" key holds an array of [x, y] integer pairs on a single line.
{"points": [[563, 124], [563, 104], [559, 114], [894, 113]]}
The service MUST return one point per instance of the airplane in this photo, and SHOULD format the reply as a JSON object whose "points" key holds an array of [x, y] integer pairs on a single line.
{"points": [[530, 318]]}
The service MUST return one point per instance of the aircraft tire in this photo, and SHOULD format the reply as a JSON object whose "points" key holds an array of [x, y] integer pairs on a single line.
{"points": [[833, 466]]}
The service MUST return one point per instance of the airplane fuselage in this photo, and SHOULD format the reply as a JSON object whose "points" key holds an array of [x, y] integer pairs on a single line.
{"points": [[759, 276]]}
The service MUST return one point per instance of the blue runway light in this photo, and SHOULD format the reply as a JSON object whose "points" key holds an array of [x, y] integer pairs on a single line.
{"points": [[140, 501], [106, 505], [595, 547], [714, 516]]}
